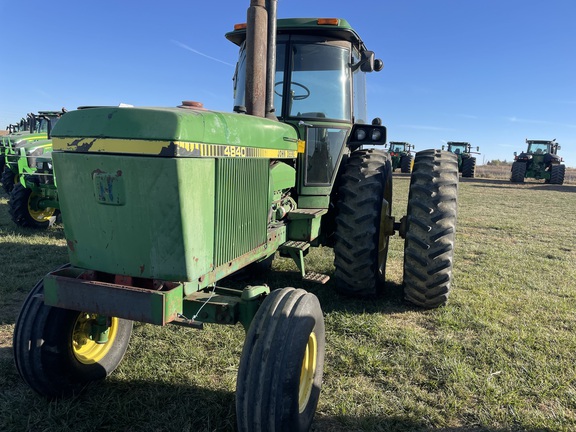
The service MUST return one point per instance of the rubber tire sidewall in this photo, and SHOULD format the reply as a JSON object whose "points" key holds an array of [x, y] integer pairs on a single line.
{"points": [[19, 209], [269, 373], [43, 349]]}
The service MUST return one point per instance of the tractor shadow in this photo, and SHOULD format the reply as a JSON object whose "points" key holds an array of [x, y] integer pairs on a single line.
{"points": [[389, 301], [162, 406]]}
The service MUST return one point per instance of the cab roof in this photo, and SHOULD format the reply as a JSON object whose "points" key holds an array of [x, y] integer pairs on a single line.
{"points": [[336, 28]]}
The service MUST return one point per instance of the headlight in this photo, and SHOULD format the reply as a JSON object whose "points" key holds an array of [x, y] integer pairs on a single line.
{"points": [[360, 134], [363, 134]]}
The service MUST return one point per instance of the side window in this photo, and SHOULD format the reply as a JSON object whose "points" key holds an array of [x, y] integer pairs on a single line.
{"points": [[323, 146], [359, 82]]}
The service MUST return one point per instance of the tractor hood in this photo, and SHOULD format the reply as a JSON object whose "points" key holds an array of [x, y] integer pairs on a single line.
{"points": [[172, 132]]}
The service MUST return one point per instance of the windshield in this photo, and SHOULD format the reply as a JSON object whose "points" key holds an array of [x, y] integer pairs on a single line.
{"points": [[538, 148], [458, 148], [320, 85], [42, 125], [397, 148]]}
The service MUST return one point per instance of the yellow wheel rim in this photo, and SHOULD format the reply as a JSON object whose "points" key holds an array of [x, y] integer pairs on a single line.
{"points": [[86, 350], [308, 372], [40, 215]]}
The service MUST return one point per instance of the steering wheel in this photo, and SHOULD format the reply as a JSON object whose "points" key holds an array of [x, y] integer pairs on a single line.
{"points": [[294, 97]]}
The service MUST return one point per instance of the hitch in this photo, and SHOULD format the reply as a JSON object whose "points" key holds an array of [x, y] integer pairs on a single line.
{"points": [[389, 226]]}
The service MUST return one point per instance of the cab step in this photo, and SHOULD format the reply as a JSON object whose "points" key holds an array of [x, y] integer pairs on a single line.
{"points": [[316, 277]]}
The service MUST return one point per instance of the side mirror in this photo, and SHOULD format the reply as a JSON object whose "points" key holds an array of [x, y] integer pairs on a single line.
{"points": [[443, 147], [367, 62], [477, 148], [515, 154], [558, 148]]}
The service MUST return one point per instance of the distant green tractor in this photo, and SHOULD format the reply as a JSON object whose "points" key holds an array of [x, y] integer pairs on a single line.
{"points": [[15, 131], [466, 162], [401, 155], [34, 199], [160, 205], [31, 143], [539, 161]]}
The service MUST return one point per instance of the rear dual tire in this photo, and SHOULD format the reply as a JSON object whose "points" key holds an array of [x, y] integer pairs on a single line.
{"points": [[364, 199], [431, 228]]}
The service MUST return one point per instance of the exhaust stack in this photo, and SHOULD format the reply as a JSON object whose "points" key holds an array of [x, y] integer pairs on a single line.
{"points": [[260, 57]]}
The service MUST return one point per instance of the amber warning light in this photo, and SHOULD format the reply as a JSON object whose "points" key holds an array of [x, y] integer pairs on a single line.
{"points": [[328, 21]]}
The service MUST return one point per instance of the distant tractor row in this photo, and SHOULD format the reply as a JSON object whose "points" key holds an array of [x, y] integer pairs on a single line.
{"points": [[27, 174]]}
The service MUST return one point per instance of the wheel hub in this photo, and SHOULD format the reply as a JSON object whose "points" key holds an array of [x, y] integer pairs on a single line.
{"points": [[308, 372]]}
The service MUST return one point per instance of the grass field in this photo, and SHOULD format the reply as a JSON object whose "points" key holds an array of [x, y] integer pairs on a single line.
{"points": [[499, 357]]}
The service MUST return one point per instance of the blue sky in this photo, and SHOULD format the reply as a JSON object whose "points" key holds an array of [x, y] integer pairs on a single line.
{"points": [[490, 72]]}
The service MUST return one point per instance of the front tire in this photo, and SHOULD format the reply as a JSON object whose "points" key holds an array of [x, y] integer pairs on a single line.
{"points": [[431, 228], [406, 164], [281, 366], [364, 202], [557, 173], [8, 179], [25, 213], [53, 351], [469, 167], [518, 172]]}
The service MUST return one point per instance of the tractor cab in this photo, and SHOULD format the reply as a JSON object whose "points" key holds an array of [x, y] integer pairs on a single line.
{"points": [[542, 147], [459, 147], [319, 88], [46, 120], [399, 147]]}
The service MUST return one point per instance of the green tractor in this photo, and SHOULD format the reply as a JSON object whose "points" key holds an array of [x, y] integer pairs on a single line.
{"points": [[466, 162], [15, 131], [34, 198], [539, 161], [159, 205], [401, 155], [21, 145]]}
